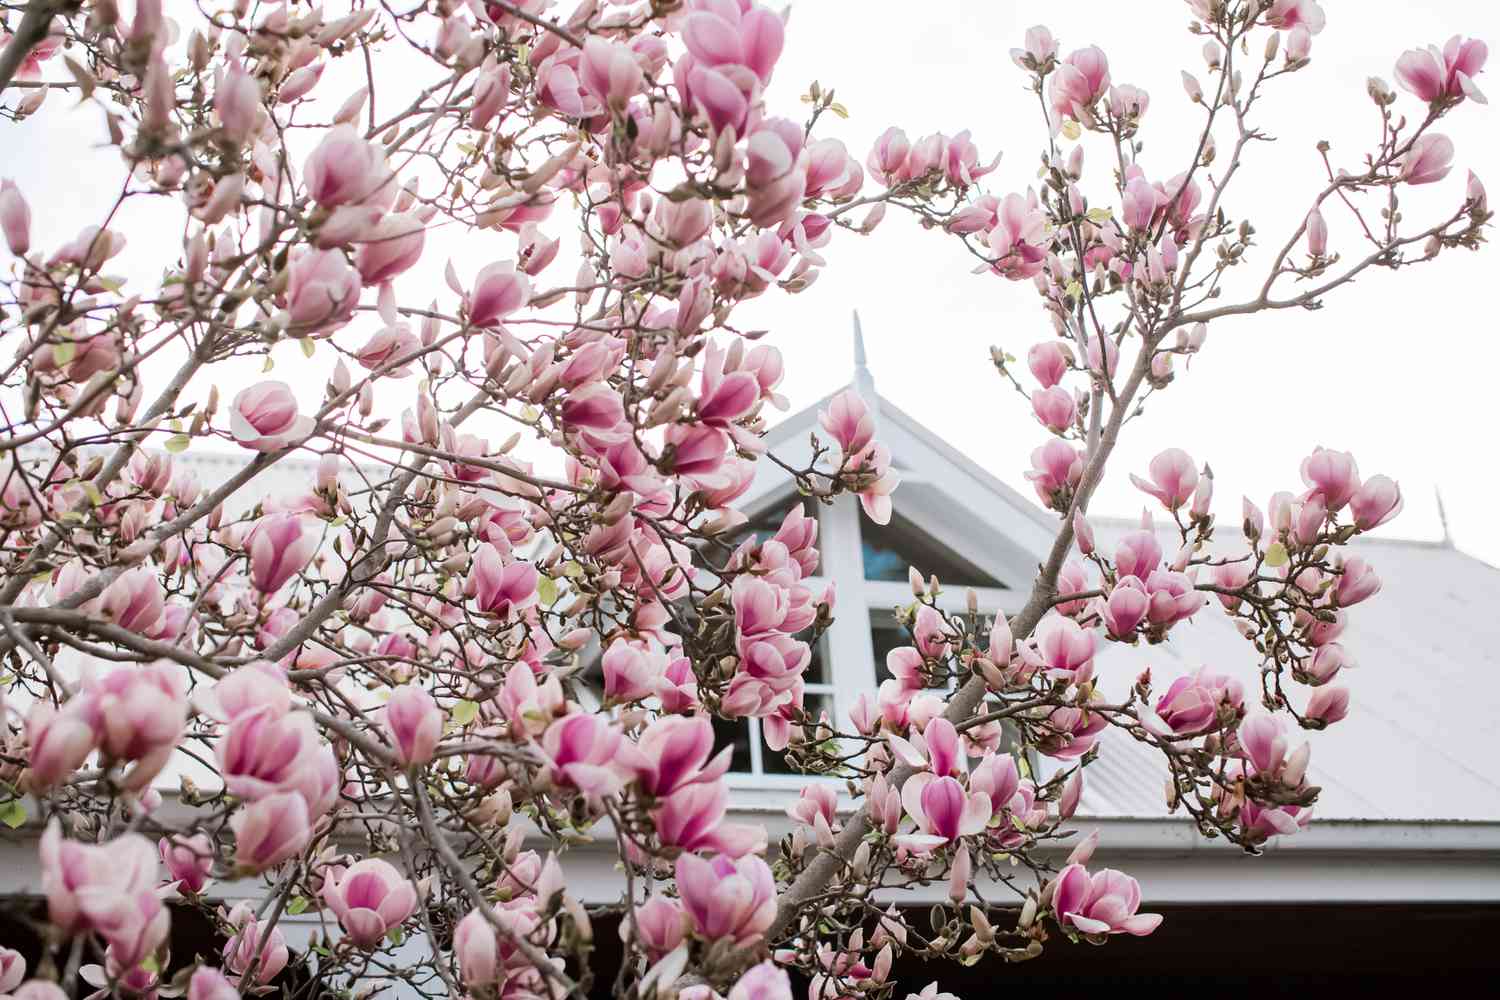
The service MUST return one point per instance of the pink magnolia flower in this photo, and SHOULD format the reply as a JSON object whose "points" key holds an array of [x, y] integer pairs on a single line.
{"points": [[724, 898], [499, 589], [1191, 705], [280, 547], [1040, 46], [692, 819], [210, 984], [344, 169], [1055, 466], [138, 715], [1447, 74], [1071, 732], [943, 811], [659, 926], [414, 723], [12, 969], [675, 752], [1125, 607], [189, 860], [369, 898], [1173, 598], [271, 830], [1331, 475], [499, 290], [1138, 554], [1049, 362], [1102, 903], [1060, 644], [1305, 14], [251, 945], [937, 748], [236, 103], [848, 421], [1429, 159], [1055, 408], [1174, 477], [59, 741], [610, 72], [1375, 502], [391, 246], [766, 981], [321, 292], [1328, 704], [733, 35], [1317, 233], [587, 752], [1016, 240], [264, 417], [887, 159], [15, 218], [1357, 582], [1078, 82], [630, 672], [85, 883]]}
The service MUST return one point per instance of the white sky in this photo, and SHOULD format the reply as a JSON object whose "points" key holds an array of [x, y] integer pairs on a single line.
{"points": [[1397, 369]]}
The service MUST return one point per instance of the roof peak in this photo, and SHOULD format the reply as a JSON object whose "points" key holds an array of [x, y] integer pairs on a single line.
{"points": [[864, 382]]}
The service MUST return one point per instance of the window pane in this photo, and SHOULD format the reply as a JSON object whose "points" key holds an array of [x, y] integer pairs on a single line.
{"points": [[889, 549], [735, 733], [817, 667], [776, 761]]}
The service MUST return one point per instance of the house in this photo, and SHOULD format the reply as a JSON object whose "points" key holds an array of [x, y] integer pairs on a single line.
{"points": [[1398, 875]]}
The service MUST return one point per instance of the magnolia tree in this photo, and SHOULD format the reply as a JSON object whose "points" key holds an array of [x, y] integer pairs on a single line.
{"points": [[370, 697]]}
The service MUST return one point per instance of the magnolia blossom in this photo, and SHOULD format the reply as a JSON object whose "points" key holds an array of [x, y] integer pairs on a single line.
{"points": [[264, 417], [414, 723], [1102, 903], [370, 898], [1174, 477], [727, 899], [943, 811]]}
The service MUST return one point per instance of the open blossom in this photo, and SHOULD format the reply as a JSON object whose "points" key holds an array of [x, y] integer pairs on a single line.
{"points": [[322, 290], [270, 830], [1434, 74], [1174, 477], [189, 860], [1055, 466], [264, 417], [1375, 502], [725, 898], [252, 944], [1429, 159], [86, 884], [344, 168], [1104, 902], [369, 898], [1192, 704], [497, 588], [943, 811]]}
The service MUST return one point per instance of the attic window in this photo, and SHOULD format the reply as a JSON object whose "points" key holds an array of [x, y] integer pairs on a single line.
{"points": [[889, 549]]}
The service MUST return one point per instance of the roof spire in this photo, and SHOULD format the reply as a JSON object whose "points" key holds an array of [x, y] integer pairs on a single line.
{"points": [[1443, 516], [864, 382]]}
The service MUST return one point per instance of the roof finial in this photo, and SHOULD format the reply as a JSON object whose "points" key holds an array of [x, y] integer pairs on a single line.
{"points": [[864, 382], [1443, 516]]}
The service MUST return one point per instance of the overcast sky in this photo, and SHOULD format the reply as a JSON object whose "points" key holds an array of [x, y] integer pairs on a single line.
{"points": [[1399, 369]]}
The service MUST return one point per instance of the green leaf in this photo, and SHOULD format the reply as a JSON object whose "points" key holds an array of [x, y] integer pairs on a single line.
{"points": [[1071, 129], [464, 712], [13, 813], [1098, 216], [1276, 554], [178, 443], [297, 905], [546, 589], [270, 363], [64, 353], [308, 347]]}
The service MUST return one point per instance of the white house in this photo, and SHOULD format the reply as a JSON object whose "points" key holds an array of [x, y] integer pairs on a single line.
{"points": [[1408, 827]]}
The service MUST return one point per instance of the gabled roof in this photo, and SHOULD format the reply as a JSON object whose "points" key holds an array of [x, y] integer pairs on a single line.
{"points": [[1418, 742]]}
